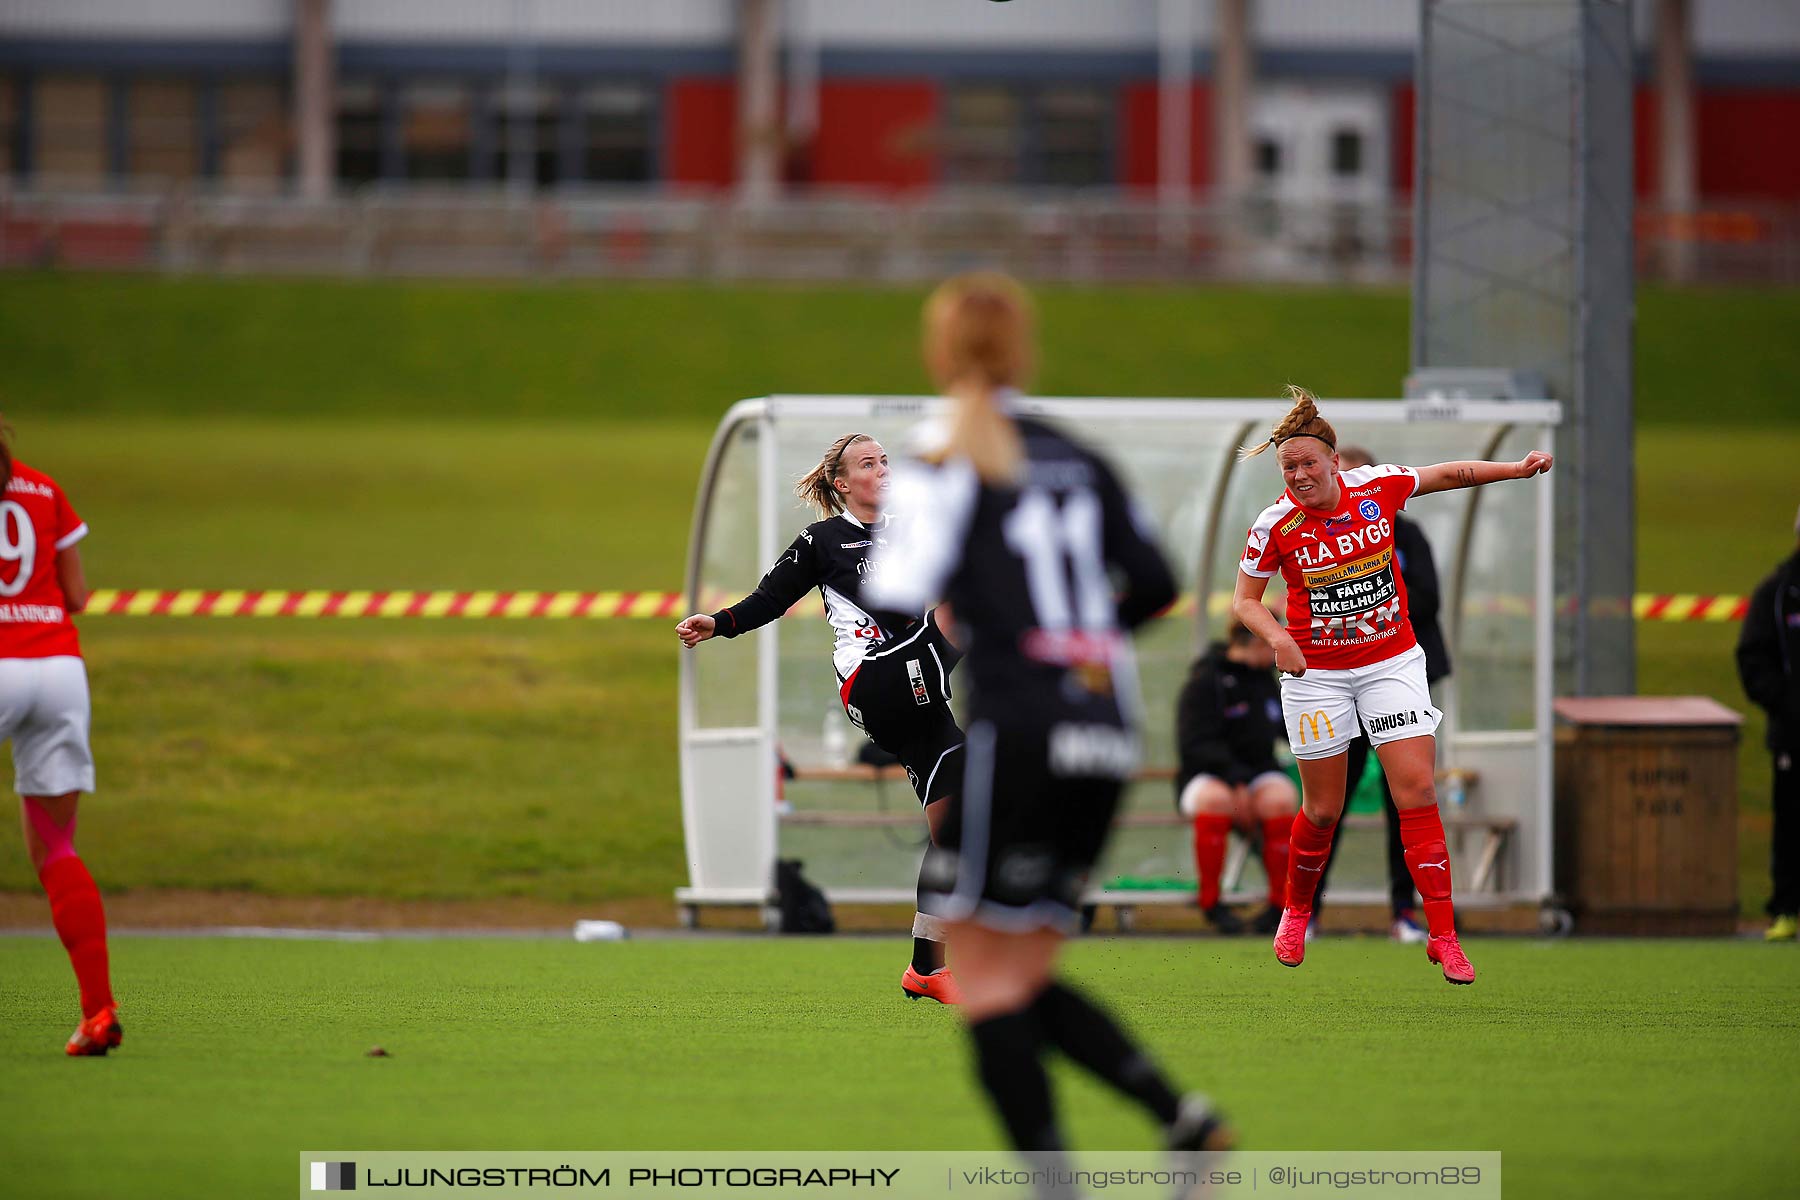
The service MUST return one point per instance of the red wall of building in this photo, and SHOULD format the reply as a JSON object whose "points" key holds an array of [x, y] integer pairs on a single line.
{"points": [[1400, 162], [1749, 144], [879, 133], [699, 132], [876, 133], [1644, 156], [1140, 125]]}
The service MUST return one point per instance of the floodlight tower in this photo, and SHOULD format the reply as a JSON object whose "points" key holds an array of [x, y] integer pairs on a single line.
{"points": [[1522, 275]]}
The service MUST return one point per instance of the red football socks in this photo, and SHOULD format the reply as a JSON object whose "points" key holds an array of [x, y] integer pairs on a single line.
{"points": [[1308, 848], [1210, 832], [1428, 858], [1275, 834], [80, 921]]}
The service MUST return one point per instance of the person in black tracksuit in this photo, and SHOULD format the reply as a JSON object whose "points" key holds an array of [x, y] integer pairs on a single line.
{"points": [[1028, 539], [1424, 599], [1228, 733], [1768, 662], [892, 668]]}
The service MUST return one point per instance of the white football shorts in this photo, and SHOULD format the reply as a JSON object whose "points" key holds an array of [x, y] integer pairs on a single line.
{"points": [[44, 710], [1390, 697]]}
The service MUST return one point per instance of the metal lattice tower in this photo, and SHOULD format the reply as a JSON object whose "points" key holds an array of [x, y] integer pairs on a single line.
{"points": [[1523, 261]]}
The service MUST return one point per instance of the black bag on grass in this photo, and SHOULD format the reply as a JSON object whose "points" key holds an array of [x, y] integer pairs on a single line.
{"points": [[804, 908]]}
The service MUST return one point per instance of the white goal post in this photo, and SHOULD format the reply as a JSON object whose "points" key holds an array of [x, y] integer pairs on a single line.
{"points": [[765, 751]]}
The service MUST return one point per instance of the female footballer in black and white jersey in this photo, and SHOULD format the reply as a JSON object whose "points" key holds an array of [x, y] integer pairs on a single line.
{"points": [[1029, 540], [893, 667]]}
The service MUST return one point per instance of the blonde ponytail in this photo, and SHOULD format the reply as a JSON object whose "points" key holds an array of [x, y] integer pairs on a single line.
{"points": [[1303, 420], [816, 487], [979, 337], [984, 435]]}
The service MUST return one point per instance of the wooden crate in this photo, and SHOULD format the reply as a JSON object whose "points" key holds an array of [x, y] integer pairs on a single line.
{"points": [[1646, 814]]}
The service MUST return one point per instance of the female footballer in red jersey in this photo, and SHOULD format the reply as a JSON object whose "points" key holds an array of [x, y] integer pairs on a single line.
{"points": [[1348, 654], [44, 710]]}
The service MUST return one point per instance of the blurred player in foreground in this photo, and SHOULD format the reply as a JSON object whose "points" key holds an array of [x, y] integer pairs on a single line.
{"points": [[1227, 724], [1349, 654], [1023, 534], [893, 668], [44, 710]]}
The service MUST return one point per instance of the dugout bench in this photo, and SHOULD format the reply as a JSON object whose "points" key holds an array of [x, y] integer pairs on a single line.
{"points": [[1484, 882]]}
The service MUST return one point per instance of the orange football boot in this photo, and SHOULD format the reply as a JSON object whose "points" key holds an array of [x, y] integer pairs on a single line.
{"points": [[940, 985], [96, 1035], [1447, 952], [1290, 937]]}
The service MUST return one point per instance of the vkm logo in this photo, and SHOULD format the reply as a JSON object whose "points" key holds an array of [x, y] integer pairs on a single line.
{"points": [[334, 1177]]}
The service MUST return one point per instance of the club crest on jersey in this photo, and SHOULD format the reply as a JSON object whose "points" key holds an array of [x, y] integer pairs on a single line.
{"points": [[1370, 510], [1292, 523]]}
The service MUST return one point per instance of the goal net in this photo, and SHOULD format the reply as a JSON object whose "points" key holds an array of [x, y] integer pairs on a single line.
{"points": [[769, 765]]}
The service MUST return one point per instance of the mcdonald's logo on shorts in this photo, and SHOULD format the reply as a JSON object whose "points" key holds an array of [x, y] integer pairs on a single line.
{"points": [[1311, 721]]}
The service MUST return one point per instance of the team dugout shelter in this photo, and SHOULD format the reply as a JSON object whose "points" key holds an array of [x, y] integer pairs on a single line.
{"points": [[771, 768]]}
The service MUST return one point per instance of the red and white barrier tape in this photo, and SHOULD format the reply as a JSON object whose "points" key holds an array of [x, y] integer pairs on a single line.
{"points": [[193, 602]]}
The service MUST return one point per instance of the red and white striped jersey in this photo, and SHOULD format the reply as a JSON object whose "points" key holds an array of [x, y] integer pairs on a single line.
{"points": [[1346, 602], [36, 521]]}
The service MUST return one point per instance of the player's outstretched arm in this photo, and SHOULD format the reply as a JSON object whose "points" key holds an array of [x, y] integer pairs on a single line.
{"points": [[1247, 606], [1446, 477], [695, 629]]}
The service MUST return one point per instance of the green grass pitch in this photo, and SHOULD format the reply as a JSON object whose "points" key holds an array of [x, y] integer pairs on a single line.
{"points": [[1644, 1069], [274, 433]]}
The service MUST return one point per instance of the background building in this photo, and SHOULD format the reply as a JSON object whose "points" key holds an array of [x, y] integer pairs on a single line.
{"points": [[832, 93]]}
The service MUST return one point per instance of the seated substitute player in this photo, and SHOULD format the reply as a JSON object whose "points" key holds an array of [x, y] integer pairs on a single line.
{"points": [[1024, 534], [1349, 654], [44, 710], [893, 668], [1227, 723]]}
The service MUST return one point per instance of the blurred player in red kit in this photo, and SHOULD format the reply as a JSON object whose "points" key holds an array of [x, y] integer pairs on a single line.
{"points": [[44, 710]]}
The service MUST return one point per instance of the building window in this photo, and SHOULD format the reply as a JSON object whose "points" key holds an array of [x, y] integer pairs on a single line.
{"points": [[358, 131], [1074, 130], [435, 131], [162, 129], [1268, 158], [252, 131], [9, 122], [69, 138], [1346, 153], [616, 124], [983, 127], [535, 109]]}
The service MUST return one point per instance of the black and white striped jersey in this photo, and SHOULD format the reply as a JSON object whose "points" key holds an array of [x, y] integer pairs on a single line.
{"points": [[833, 555], [1044, 576]]}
